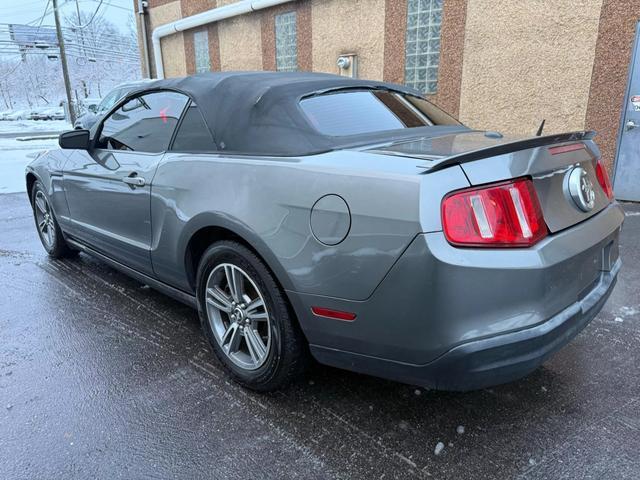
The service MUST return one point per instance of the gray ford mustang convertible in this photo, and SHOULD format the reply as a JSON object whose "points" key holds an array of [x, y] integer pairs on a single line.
{"points": [[350, 220]]}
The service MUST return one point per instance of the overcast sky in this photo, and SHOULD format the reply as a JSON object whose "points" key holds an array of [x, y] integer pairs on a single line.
{"points": [[30, 11]]}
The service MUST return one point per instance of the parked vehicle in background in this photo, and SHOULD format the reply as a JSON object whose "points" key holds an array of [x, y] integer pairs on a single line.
{"points": [[95, 112], [47, 113], [36, 113], [4, 113], [347, 218], [56, 113], [88, 105], [18, 115]]}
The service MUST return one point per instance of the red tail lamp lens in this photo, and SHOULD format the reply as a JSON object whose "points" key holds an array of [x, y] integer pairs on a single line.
{"points": [[603, 179], [500, 215]]}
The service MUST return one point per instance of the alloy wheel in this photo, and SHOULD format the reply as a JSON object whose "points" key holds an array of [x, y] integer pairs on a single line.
{"points": [[44, 219], [238, 316]]}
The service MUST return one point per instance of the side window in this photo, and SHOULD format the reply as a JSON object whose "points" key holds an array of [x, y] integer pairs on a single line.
{"points": [[143, 124], [193, 134]]}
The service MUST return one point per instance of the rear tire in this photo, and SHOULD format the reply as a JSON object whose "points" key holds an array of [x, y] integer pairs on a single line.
{"points": [[47, 225], [247, 319]]}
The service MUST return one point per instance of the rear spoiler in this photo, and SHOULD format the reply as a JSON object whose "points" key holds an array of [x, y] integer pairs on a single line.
{"points": [[510, 147]]}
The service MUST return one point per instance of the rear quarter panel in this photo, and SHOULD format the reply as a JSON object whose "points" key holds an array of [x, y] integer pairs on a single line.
{"points": [[268, 201]]}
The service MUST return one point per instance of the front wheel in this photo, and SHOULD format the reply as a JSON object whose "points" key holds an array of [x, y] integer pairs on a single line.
{"points": [[247, 319], [48, 229]]}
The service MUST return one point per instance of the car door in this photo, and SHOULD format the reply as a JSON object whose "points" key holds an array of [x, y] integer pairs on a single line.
{"points": [[108, 187]]}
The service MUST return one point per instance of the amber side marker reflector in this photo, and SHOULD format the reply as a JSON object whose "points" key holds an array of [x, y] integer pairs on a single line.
{"points": [[566, 148], [335, 314]]}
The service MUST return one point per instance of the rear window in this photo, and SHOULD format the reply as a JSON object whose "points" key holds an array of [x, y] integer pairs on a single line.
{"points": [[369, 111], [193, 134]]}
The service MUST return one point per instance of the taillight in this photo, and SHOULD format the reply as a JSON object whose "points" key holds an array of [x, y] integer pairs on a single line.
{"points": [[500, 215], [603, 179]]}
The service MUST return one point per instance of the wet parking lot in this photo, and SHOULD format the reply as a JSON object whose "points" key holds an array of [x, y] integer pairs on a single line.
{"points": [[102, 377]]}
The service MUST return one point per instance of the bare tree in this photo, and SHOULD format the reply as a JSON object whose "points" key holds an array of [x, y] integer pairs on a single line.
{"points": [[100, 56]]}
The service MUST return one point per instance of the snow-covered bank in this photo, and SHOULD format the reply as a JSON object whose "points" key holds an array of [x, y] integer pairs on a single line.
{"points": [[22, 127], [14, 157]]}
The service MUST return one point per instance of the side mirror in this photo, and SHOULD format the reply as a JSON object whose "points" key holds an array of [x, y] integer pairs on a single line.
{"points": [[74, 140], [92, 108]]}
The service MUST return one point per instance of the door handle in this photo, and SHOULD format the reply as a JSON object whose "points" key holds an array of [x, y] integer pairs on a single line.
{"points": [[630, 125], [134, 180]]}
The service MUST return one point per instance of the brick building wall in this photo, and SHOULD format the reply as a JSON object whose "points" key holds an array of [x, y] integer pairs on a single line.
{"points": [[501, 64]]}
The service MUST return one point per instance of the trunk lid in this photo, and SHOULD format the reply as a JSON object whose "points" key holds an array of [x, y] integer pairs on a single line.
{"points": [[487, 157]]}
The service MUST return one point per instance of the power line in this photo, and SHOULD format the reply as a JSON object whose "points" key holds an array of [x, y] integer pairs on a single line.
{"points": [[44, 14], [116, 38], [46, 7], [90, 20], [111, 5], [100, 57]]}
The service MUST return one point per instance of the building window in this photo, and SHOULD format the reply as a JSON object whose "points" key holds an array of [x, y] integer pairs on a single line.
{"points": [[286, 43], [201, 51], [422, 54]]}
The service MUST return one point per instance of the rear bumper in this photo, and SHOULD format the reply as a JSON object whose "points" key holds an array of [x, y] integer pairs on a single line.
{"points": [[461, 319], [490, 361]]}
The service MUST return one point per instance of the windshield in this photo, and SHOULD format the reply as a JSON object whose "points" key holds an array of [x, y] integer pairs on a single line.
{"points": [[367, 111], [110, 100]]}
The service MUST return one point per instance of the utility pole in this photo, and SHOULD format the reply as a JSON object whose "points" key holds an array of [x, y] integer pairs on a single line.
{"points": [[63, 60], [84, 53]]}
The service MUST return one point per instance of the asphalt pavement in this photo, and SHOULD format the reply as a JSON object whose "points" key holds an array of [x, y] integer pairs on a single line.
{"points": [[102, 377]]}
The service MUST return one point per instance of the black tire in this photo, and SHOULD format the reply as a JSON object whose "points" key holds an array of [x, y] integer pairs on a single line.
{"points": [[287, 355], [58, 247]]}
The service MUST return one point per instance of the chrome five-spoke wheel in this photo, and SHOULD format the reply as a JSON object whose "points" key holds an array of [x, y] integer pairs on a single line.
{"points": [[238, 316], [44, 219]]}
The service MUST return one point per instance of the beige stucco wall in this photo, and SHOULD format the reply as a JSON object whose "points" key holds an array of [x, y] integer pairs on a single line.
{"points": [[240, 43], [528, 60], [354, 26], [173, 45]]}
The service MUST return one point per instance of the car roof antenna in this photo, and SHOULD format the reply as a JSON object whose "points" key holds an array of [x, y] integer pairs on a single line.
{"points": [[540, 128]]}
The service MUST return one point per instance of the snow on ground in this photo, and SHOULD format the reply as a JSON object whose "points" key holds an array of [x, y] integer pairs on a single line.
{"points": [[21, 127], [14, 157]]}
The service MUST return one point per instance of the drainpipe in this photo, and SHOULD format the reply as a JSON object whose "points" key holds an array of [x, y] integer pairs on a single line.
{"points": [[204, 18], [145, 41]]}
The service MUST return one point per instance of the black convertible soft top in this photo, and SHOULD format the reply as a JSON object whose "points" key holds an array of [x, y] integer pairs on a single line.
{"points": [[259, 113]]}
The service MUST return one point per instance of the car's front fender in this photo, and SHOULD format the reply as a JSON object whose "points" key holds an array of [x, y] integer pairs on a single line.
{"points": [[47, 168]]}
